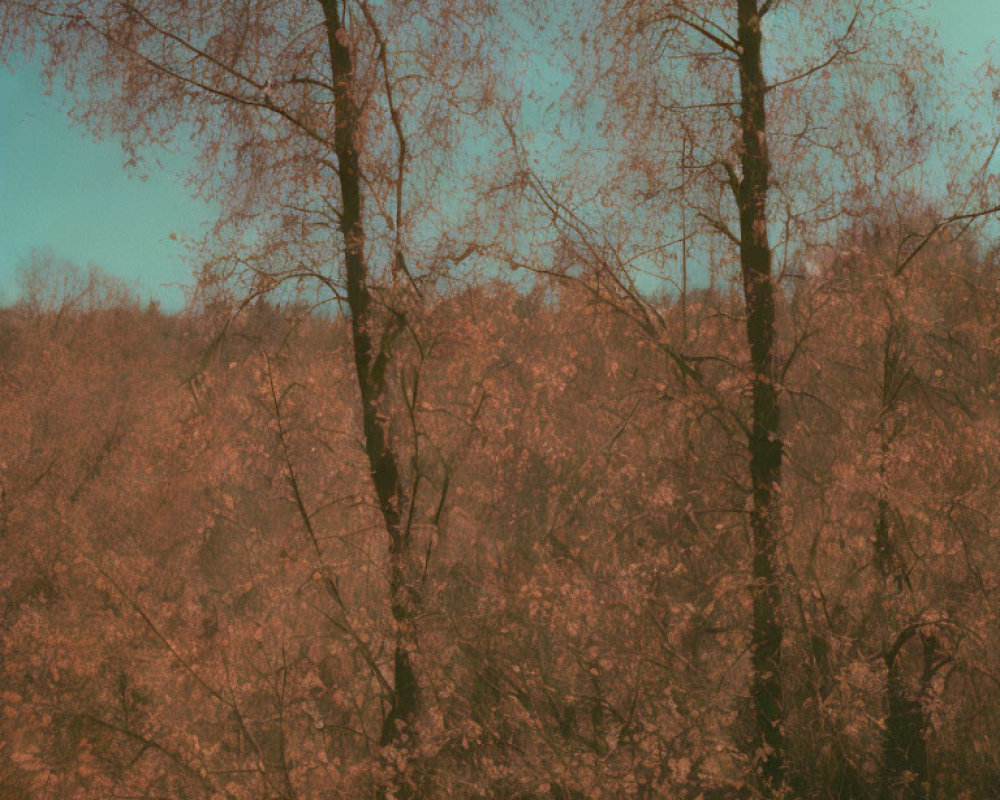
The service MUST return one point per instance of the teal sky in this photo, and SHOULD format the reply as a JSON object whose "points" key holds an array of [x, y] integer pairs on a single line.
{"points": [[61, 189]]}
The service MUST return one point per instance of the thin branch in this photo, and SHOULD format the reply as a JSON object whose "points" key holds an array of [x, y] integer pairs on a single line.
{"points": [[935, 229], [267, 103], [839, 51], [328, 583], [769, 5], [805, 74], [299, 79], [727, 46], [197, 51], [152, 744], [695, 106], [159, 635], [397, 124], [646, 316], [721, 227]]}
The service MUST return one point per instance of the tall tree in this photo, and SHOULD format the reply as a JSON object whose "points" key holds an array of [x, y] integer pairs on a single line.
{"points": [[764, 442], [758, 124], [318, 124]]}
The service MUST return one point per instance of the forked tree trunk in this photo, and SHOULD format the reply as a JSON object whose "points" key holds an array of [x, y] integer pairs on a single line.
{"points": [[370, 365], [764, 443]]}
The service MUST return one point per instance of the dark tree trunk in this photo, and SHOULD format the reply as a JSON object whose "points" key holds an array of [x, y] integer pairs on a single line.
{"points": [[904, 773], [370, 367], [765, 443], [904, 746]]}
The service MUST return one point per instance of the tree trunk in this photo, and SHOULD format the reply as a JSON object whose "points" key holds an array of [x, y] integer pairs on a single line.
{"points": [[370, 367], [765, 443], [904, 746]]}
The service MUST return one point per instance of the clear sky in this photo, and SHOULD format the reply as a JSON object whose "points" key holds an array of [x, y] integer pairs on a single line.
{"points": [[61, 189]]}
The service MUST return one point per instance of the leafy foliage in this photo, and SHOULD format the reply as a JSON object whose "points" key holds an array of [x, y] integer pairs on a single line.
{"points": [[584, 628]]}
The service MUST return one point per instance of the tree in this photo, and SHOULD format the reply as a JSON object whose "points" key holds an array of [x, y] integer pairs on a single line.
{"points": [[897, 392], [49, 286], [693, 129], [324, 112], [317, 123]]}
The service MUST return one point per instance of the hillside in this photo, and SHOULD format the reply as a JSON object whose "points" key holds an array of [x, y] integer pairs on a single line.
{"points": [[198, 596]]}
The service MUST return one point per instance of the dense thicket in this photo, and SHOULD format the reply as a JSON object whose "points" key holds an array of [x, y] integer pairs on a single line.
{"points": [[194, 599], [471, 541]]}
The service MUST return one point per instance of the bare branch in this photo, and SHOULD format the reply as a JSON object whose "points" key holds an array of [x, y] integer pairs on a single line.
{"points": [[838, 51], [729, 47], [328, 583], [721, 227], [185, 665], [938, 226], [399, 261], [151, 744]]}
